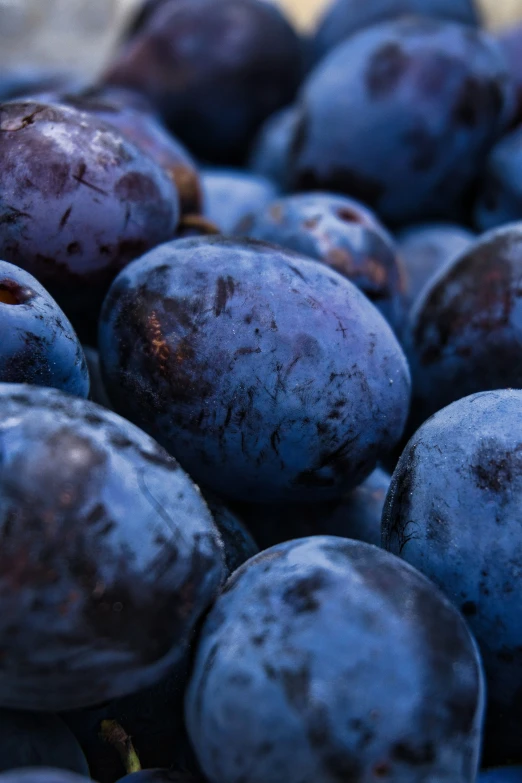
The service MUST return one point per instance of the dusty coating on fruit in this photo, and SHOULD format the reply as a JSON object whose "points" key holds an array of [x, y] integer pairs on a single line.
{"points": [[109, 554], [466, 327], [344, 235], [38, 344], [232, 195], [453, 511], [215, 71], [269, 376], [400, 117], [350, 658], [77, 203]]}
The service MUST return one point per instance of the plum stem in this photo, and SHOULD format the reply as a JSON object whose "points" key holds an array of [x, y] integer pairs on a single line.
{"points": [[115, 735]]}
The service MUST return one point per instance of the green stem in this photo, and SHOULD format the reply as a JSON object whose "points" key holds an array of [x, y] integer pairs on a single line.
{"points": [[115, 735]]}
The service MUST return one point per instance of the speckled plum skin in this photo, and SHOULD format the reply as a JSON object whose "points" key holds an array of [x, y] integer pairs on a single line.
{"points": [[270, 153], [230, 195], [356, 515], [466, 328], [499, 198], [425, 249], [270, 376], [77, 203], [343, 18], [344, 235], [454, 512], [348, 657], [116, 106], [401, 116], [215, 70], [38, 344], [109, 554]]}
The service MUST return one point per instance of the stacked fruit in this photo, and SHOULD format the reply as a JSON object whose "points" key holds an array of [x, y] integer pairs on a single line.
{"points": [[238, 276]]}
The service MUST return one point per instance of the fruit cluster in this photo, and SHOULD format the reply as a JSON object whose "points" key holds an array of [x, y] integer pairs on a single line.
{"points": [[244, 278]]}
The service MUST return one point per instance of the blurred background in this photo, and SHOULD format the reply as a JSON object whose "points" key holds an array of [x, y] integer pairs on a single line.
{"points": [[80, 34]]}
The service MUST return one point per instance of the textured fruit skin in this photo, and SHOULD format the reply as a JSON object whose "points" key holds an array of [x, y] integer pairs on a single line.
{"points": [[343, 18], [270, 153], [350, 658], [453, 512], [216, 71], [425, 249], [42, 775], [466, 328], [38, 344], [109, 554], [30, 739], [357, 515], [116, 107], [77, 203], [230, 195], [499, 198], [271, 377], [344, 235], [401, 116]]}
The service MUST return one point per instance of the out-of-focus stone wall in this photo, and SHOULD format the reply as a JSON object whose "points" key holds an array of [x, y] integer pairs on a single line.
{"points": [[79, 35]]}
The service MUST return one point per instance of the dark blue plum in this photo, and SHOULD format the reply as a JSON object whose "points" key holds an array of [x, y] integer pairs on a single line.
{"points": [[109, 554], [42, 775], [401, 116], [454, 511], [38, 344], [352, 667], [270, 154], [97, 392], [77, 203], [344, 235], [31, 739], [499, 198], [501, 775], [138, 124], [230, 195], [270, 376], [215, 70], [357, 515], [343, 18], [163, 776], [510, 41], [426, 249], [465, 334], [239, 546]]}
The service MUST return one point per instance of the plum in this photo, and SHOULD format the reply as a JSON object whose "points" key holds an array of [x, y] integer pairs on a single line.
{"points": [[357, 515], [499, 198], [38, 739], [230, 195], [501, 775], [216, 71], [135, 120], [110, 555], [426, 249], [270, 376], [42, 775], [343, 18], [39, 345], [510, 41], [466, 328], [77, 203], [344, 235], [401, 117], [270, 153], [342, 653], [454, 512]]}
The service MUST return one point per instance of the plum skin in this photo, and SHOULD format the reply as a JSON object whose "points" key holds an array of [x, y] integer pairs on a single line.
{"points": [[260, 397]]}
